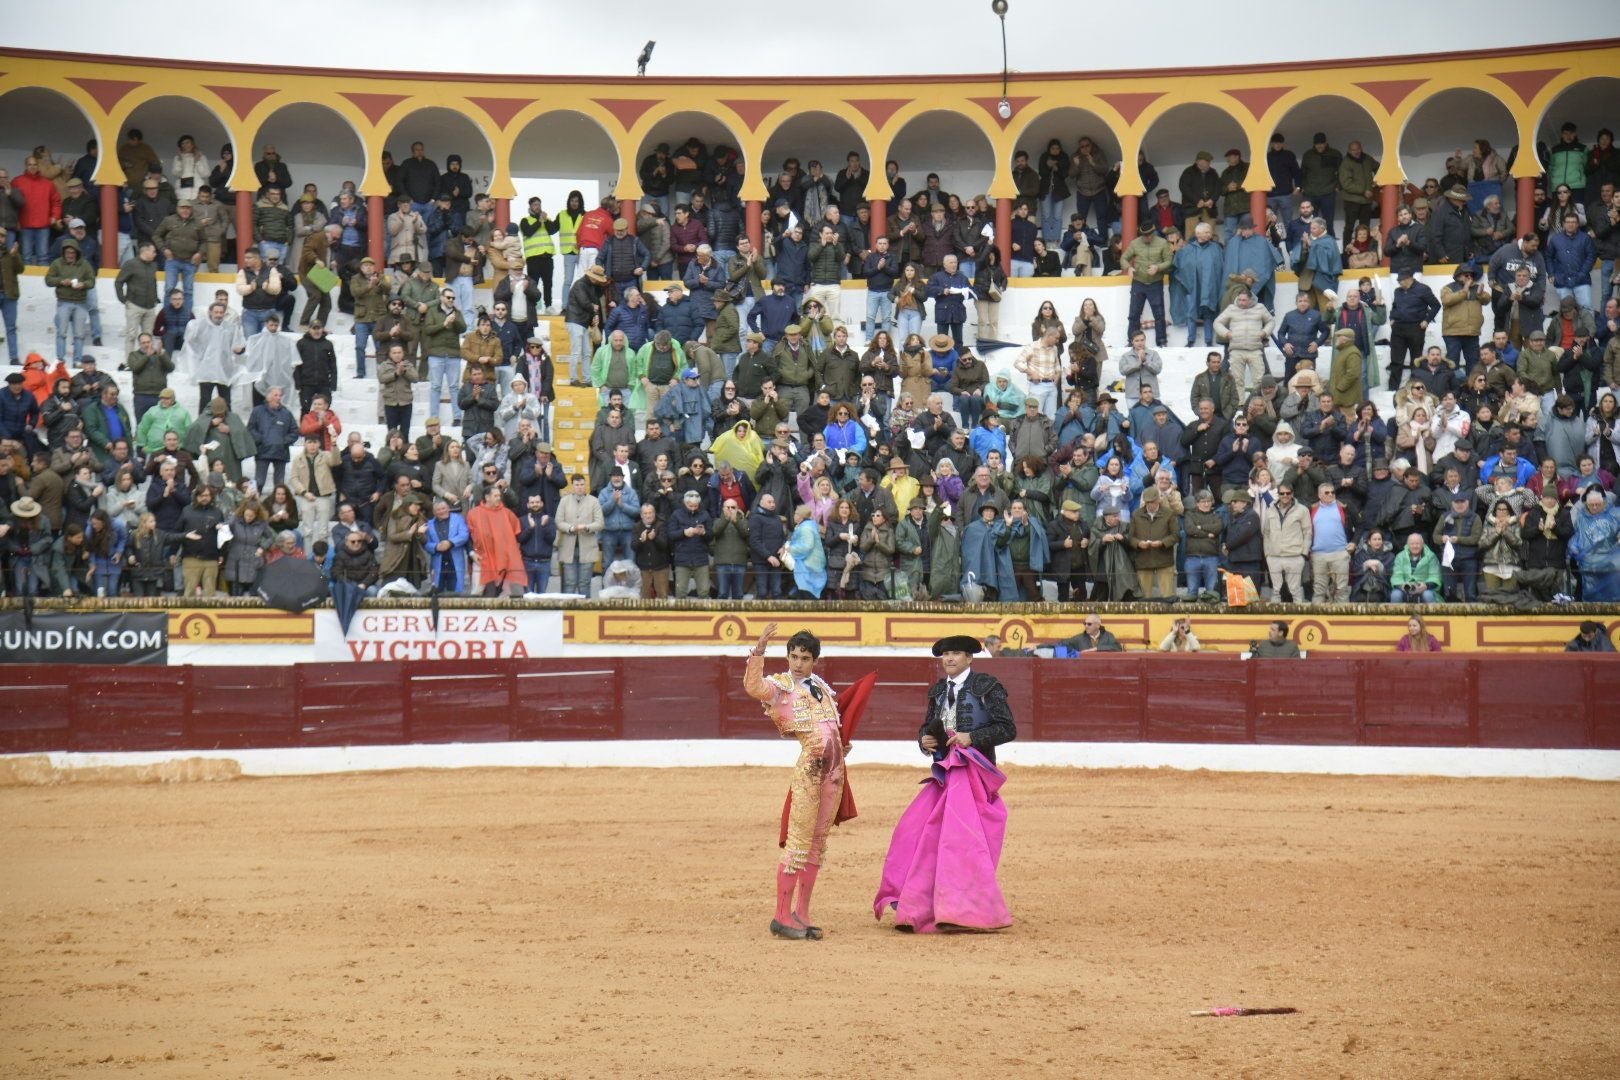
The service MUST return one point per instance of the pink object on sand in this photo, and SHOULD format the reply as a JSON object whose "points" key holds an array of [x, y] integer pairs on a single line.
{"points": [[940, 872]]}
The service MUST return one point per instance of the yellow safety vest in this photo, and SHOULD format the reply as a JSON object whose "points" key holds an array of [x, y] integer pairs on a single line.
{"points": [[540, 243], [567, 229]]}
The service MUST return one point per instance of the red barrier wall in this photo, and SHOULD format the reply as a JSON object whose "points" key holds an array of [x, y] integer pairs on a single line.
{"points": [[1544, 701]]}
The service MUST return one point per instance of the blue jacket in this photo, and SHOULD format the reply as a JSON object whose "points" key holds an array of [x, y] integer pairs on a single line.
{"points": [[1166, 436], [273, 431], [1302, 331], [548, 483], [687, 411], [438, 231], [623, 514], [948, 309], [689, 550], [1071, 424], [772, 315], [1570, 259], [792, 264], [353, 222], [18, 413], [1234, 464], [987, 557], [947, 361], [1487, 469], [983, 440], [703, 295], [1024, 231], [1327, 263], [1285, 172], [850, 435], [1198, 267], [1415, 304], [766, 533], [636, 322], [454, 529], [809, 558], [537, 541], [512, 340], [1257, 254], [682, 320]]}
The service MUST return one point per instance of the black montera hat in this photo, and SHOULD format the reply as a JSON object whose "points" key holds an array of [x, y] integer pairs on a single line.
{"points": [[958, 643]]}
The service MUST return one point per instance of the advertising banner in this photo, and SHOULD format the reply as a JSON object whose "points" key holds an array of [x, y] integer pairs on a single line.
{"points": [[460, 635], [84, 638]]}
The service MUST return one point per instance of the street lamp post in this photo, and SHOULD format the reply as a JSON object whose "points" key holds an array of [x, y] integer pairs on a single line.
{"points": [[1004, 106]]}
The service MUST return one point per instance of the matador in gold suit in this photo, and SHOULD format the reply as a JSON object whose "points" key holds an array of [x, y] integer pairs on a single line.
{"points": [[803, 707]]}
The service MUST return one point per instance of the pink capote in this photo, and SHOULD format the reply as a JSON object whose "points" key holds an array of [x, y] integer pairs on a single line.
{"points": [[941, 867]]}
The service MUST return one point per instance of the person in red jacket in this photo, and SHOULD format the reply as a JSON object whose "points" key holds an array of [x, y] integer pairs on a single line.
{"points": [[594, 228], [40, 213]]}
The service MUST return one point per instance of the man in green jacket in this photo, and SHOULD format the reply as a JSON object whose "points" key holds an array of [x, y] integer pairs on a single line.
{"points": [[180, 239], [442, 327], [1358, 189], [1234, 199], [150, 366], [1147, 260], [72, 279], [1320, 168], [272, 224], [370, 291], [911, 546], [1416, 574], [160, 419], [137, 289], [106, 422]]}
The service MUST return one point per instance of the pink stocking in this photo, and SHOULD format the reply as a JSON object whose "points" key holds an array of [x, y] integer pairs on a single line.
{"points": [[807, 885], [784, 894]]}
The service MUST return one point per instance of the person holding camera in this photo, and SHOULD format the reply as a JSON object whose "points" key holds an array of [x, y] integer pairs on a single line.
{"points": [[1180, 638]]}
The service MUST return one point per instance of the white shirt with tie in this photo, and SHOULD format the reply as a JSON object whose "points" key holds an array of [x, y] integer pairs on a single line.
{"points": [[953, 690]]}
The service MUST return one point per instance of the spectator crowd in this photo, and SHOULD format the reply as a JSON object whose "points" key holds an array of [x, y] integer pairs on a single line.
{"points": [[751, 442]]}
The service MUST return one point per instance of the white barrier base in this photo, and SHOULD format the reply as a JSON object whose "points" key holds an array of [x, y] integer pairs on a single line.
{"points": [[675, 753]]}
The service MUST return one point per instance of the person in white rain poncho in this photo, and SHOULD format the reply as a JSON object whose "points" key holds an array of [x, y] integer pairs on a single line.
{"points": [[211, 352], [269, 361], [518, 405]]}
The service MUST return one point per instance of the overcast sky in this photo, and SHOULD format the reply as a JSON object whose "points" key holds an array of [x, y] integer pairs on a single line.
{"points": [[954, 36]]}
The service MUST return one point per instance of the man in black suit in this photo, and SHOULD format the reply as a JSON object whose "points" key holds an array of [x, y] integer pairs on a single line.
{"points": [[966, 708]]}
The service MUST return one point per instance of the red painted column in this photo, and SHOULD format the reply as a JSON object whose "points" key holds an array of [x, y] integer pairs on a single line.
{"points": [[377, 234], [1389, 204], [1525, 206], [109, 225], [1130, 207], [503, 214], [880, 222], [1257, 209], [1004, 209], [627, 210], [244, 224], [754, 223]]}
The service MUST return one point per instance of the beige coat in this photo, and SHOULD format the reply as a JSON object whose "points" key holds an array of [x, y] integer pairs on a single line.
{"points": [[575, 510], [915, 371], [1462, 313], [1286, 534], [407, 236], [313, 473]]}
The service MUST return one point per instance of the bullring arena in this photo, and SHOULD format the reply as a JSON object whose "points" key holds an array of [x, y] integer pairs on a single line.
{"points": [[448, 835]]}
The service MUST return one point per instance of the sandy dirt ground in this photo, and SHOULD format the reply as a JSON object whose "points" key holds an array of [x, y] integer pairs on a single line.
{"points": [[612, 923]]}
